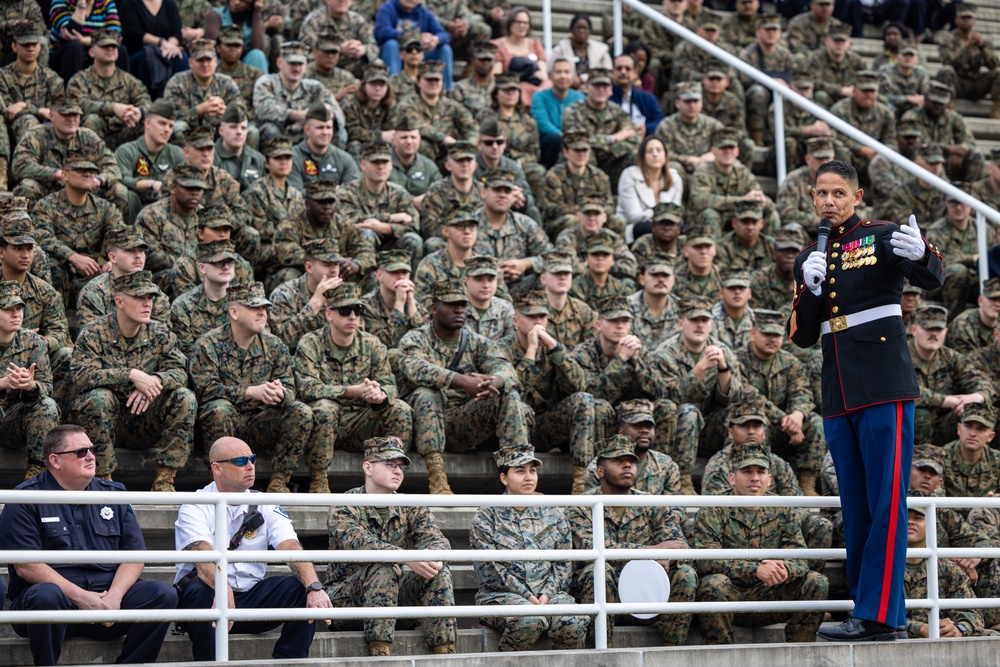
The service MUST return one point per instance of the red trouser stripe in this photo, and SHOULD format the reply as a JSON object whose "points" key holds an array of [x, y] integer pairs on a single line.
{"points": [[890, 541]]}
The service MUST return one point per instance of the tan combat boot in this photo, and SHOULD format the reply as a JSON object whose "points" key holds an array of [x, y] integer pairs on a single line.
{"points": [[437, 480], [757, 136], [319, 482], [3, 173], [33, 470], [807, 480], [994, 113], [444, 648], [164, 479], [279, 483], [687, 485], [579, 480], [380, 649]]}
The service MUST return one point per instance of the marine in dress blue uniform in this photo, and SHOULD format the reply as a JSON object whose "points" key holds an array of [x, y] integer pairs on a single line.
{"points": [[869, 388], [70, 527]]}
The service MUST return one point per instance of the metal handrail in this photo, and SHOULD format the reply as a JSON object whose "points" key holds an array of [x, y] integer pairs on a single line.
{"points": [[599, 554]]}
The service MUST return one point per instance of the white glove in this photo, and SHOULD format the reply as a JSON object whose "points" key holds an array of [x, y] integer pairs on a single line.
{"points": [[814, 271], [907, 242]]}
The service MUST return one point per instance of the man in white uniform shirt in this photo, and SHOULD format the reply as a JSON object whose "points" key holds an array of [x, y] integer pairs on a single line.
{"points": [[251, 528]]}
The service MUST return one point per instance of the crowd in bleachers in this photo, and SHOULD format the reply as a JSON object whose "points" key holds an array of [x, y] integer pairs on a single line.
{"points": [[315, 224]]}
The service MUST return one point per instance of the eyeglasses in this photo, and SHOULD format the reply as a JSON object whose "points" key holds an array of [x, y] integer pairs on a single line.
{"points": [[347, 311], [392, 466], [80, 453], [239, 461], [414, 48], [520, 22], [493, 142]]}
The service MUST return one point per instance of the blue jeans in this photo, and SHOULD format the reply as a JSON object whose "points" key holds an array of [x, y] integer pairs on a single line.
{"points": [[389, 53]]}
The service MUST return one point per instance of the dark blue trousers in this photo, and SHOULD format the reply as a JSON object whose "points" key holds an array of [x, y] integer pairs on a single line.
{"points": [[278, 592], [872, 450], [142, 640]]}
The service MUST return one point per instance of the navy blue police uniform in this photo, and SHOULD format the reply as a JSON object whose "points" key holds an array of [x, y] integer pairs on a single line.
{"points": [[69, 527], [869, 389]]}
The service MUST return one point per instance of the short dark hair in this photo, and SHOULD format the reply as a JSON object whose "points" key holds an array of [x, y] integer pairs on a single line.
{"points": [[55, 438], [842, 169], [581, 17]]}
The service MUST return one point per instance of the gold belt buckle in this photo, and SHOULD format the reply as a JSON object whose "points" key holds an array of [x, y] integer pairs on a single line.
{"points": [[838, 323]]}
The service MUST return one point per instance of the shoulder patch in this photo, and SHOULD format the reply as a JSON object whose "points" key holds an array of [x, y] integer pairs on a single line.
{"points": [[279, 510]]}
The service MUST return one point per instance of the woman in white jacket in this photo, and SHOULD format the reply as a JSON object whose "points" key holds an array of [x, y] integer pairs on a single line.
{"points": [[646, 184]]}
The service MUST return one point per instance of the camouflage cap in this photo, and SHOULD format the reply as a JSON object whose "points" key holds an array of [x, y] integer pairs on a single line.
{"points": [[984, 413], [376, 71], [25, 32], [599, 75], [482, 265], [462, 149], [788, 239], [324, 250], [614, 308], [499, 178], [689, 90], [217, 251], [202, 136], [201, 48], [345, 294], [736, 277], [431, 69], [765, 21], [78, 161], [748, 209], [188, 176], [507, 81], [659, 263], [462, 213], [603, 240], [328, 42], [411, 36], [235, 113], [749, 408], [576, 139], [667, 213], [908, 128], [716, 73], [964, 186], [931, 316], [406, 123], [319, 111], [866, 79], [532, 303], [139, 283], [839, 33], [321, 190], [394, 260], [821, 147], [557, 261], [10, 294], [216, 217], [593, 202], [694, 307], [483, 50], [939, 92], [385, 448], [294, 52], [65, 104], [708, 20], [125, 238], [18, 229], [802, 78], [911, 289], [279, 146], [700, 235], [249, 294], [616, 446], [991, 288], [917, 493], [726, 137], [163, 108], [922, 458], [635, 411], [909, 49], [377, 150], [231, 35], [491, 128], [965, 10], [511, 456], [769, 321], [451, 290], [105, 37], [750, 454], [931, 153]]}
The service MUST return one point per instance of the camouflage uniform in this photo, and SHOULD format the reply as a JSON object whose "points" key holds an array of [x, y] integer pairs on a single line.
{"points": [[573, 242], [726, 330], [948, 372], [768, 291], [97, 299], [448, 10], [661, 44], [738, 31], [961, 279], [356, 204], [101, 363], [184, 91], [293, 232], [565, 193], [757, 96], [728, 110], [515, 582], [363, 124], [483, 173], [97, 97], [352, 25], [967, 333], [523, 146], [962, 67], [475, 98], [830, 76], [35, 90], [184, 275], [927, 203], [335, 81], [652, 329], [44, 312], [244, 76], [192, 314], [598, 125], [804, 35], [385, 585], [657, 475], [335, 166], [795, 202], [21, 10], [388, 324], [444, 119], [713, 196], [291, 317], [519, 237], [417, 177], [269, 207], [636, 528], [733, 254], [496, 323], [587, 290], [171, 235], [973, 480], [877, 122], [690, 63], [137, 163], [952, 583], [949, 129], [438, 266], [402, 85], [272, 102], [573, 324], [323, 372], [894, 87]]}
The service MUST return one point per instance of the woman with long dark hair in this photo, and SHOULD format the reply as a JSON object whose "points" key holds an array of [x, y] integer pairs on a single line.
{"points": [[368, 113]]}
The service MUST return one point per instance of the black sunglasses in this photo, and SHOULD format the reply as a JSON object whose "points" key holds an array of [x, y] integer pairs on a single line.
{"points": [[493, 142], [80, 453], [239, 461], [413, 48], [347, 311]]}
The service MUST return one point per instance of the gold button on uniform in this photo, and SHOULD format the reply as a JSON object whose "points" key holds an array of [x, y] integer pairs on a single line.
{"points": [[833, 295], [841, 230], [833, 281], [834, 255], [882, 339], [836, 309], [832, 267], [836, 245]]}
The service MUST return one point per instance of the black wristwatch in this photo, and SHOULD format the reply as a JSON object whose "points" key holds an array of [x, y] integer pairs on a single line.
{"points": [[314, 586]]}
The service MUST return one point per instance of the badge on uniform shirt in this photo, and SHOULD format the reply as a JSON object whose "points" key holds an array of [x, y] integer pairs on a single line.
{"points": [[330, 168], [310, 167], [107, 513], [278, 510], [142, 166], [250, 534], [418, 176], [251, 173]]}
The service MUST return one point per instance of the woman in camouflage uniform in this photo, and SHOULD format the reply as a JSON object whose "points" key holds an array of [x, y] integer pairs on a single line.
{"points": [[519, 127], [368, 112], [538, 582]]}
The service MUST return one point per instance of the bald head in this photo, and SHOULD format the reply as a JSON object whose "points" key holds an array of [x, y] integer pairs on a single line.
{"points": [[230, 477], [227, 447]]}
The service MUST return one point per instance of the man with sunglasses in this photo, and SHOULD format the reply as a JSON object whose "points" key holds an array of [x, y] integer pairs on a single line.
{"points": [[249, 528], [344, 376], [373, 585], [492, 144], [100, 527], [641, 106]]}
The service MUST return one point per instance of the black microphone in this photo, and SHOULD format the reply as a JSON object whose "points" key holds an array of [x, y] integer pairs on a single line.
{"points": [[823, 235]]}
